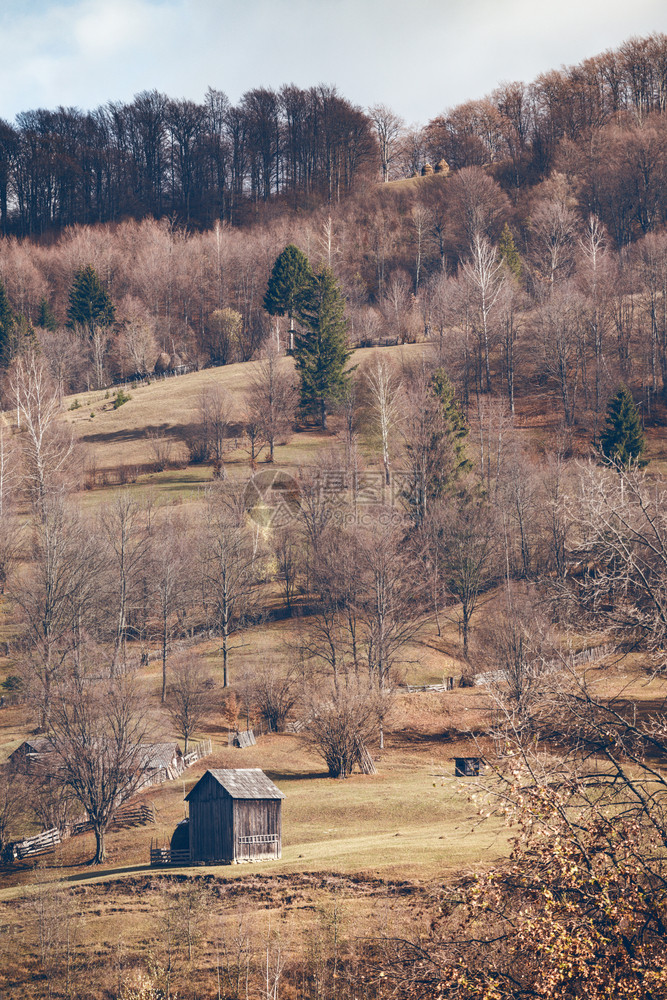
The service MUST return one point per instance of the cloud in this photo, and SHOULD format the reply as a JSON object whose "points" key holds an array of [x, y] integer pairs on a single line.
{"points": [[418, 58]]}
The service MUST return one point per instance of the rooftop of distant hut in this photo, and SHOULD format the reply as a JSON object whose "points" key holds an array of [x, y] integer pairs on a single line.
{"points": [[243, 783]]}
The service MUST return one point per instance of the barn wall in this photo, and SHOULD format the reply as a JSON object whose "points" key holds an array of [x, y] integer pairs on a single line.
{"points": [[211, 818], [257, 818]]}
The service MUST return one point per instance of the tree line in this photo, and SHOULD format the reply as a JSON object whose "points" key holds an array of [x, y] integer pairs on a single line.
{"points": [[199, 162], [208, 161]]}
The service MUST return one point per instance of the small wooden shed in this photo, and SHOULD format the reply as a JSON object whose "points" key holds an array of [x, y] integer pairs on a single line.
{"points": [[235, 815], [33, 754], [466, 767]]}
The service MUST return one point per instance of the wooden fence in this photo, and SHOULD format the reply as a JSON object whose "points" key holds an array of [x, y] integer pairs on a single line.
{"points": [[42, 843], [447, 685], [133, 815], [202, 749], [161, 856]]}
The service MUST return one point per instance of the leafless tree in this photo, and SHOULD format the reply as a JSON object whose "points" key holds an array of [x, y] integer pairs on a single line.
{"points": [[467, 534], [485, 274], [160, 449], [552, 243], [561, 323], [288, 559], [272, 398], [168, 563], [138, 338], [48, 443], [389, 129], [517, 644], [392, 598], [98, 733], [189, 698], [9, 474], [124, 527], [342, 721], [98, 349], [396, 305], [275, 692], [56, 598], [214, 414], [64, 352], [229, 567], [385, 390], [617, 575]]}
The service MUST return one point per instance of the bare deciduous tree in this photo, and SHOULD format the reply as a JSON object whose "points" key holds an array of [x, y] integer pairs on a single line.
{"points": [[48, 443], [124, 527], [385, 389], [389, 128], [272, 398], [98, 733], [341, 723], [228, 567], [189, 699], [275, 692]]}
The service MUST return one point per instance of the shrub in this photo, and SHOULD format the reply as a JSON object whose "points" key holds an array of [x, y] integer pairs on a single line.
{"points": [[120, 398]]}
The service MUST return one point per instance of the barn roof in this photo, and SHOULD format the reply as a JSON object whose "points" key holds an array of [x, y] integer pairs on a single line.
{"points": [[38, 744], [242, 783], [156, 755]]}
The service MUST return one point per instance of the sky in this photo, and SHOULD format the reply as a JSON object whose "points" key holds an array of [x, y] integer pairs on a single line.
{"points": [[419, 57]]}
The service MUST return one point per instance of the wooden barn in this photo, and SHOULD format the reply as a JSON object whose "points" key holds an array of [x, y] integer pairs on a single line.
{"points": [[33, 754], [235, 815]]}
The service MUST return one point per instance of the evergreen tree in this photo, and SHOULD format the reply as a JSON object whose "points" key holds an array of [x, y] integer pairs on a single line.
{"points": [[321, 351], [622, 440], [289, 285], [509, 253], [6, 326], [455, 423], [434, 431], [46, 318], [90, 304]]}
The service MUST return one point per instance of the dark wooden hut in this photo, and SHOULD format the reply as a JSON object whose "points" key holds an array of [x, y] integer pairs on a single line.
{"points": [[33, 754], [467, 767], [235, 815]]}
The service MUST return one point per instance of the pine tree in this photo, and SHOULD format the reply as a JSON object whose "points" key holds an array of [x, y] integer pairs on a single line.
{"points": [[289, 285], [457, 427], [435, 431], [622, 440], [90, 304], [6, 326], [321, 351], [509, 253], [46, 318]]}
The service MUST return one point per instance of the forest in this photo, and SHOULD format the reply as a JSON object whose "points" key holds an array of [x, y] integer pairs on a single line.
{"points": [[351, 434]]}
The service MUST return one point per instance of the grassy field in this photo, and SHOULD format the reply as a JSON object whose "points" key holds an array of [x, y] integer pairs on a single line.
{"points": [[357, 844]]}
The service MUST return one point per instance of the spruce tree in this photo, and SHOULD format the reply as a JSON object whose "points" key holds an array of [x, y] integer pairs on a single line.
{"points": [[321, 351], [90, 304], [455, 422], [509, 253], [46, 318], [289, 285], [622, 440], [6, 326]]}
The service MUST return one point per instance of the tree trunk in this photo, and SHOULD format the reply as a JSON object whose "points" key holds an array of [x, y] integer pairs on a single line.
{"points": [[100, 852]]}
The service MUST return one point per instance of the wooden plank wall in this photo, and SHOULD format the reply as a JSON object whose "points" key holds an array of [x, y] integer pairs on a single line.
{"points": [[211, 829], [254, 818]]}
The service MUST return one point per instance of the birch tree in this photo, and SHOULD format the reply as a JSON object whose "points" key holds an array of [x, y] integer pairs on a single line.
{"points": [[385, 389]]}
